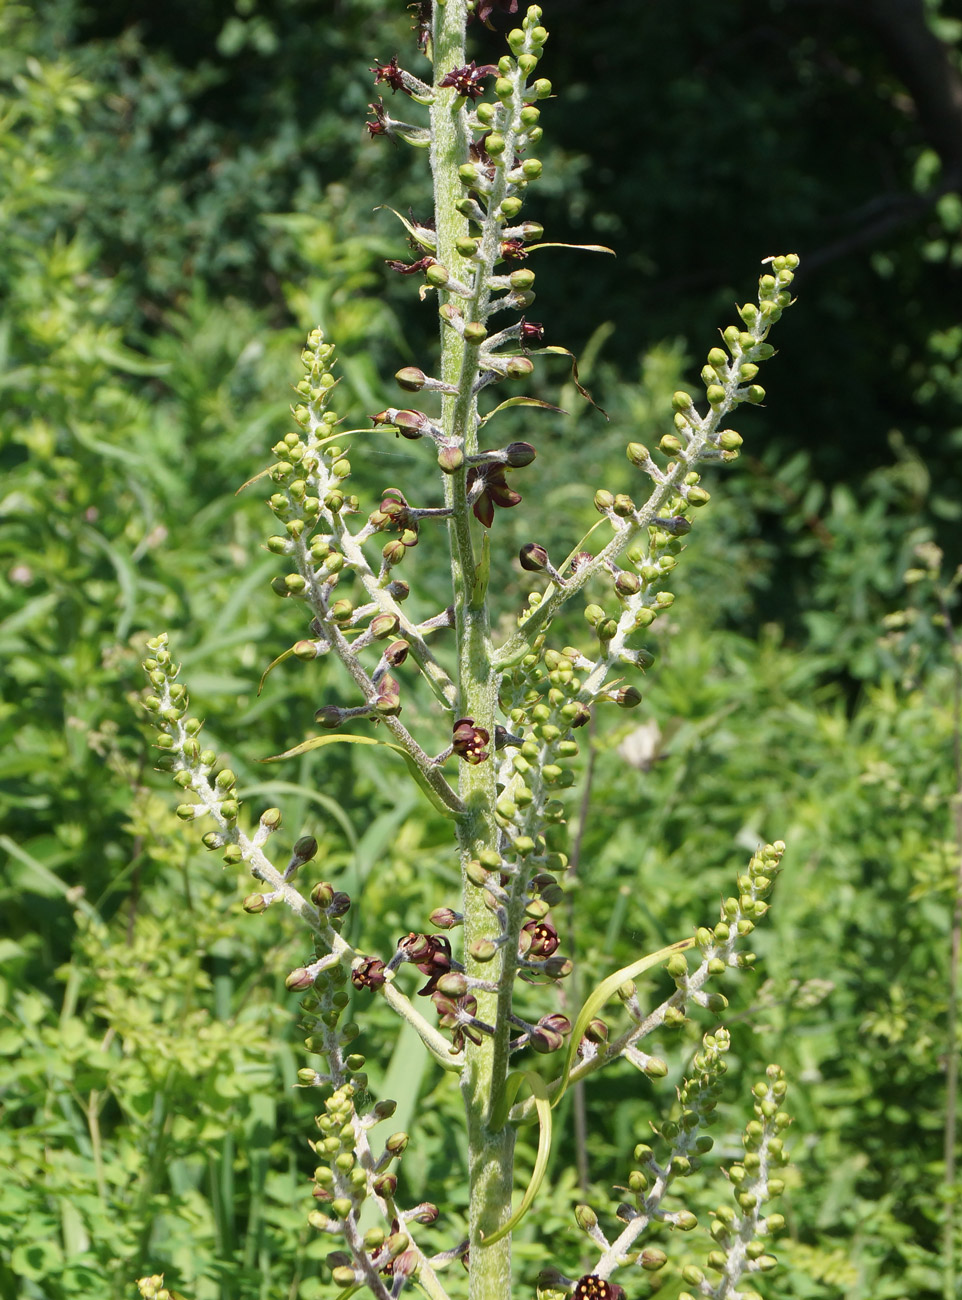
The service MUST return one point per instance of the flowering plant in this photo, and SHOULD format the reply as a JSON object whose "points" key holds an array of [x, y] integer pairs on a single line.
{"points": [[515, 705]]}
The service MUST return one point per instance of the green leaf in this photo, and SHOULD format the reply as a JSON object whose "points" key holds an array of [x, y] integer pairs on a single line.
{"points": [[270, 668], [585, 248], [566, 352], [542, 1104], [412, 230], [318, 742], [605, 990], [521, 401]]}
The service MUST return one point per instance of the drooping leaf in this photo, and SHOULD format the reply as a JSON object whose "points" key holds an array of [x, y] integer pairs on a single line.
{"points": [[318, 742]]}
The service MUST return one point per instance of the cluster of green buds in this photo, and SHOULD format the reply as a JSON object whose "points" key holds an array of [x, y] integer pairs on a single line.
{"points": [[740, 1231]]}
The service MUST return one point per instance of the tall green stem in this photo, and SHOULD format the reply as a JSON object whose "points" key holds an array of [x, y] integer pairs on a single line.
{"points": [[491, 1153]]}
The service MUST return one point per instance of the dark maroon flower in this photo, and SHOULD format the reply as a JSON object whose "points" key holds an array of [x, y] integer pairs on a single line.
{"points": [[368, 974], [485, 8], [457, 1016], [469, 741], [431, 954], [513, 250], [494, 493], [543, 941], [532, 331], [467, 80], [390, 73], [592, 1287], [549, 1033], [379, 125]]}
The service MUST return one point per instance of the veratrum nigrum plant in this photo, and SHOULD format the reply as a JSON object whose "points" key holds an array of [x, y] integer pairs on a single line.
{"points": [[514, 706]]}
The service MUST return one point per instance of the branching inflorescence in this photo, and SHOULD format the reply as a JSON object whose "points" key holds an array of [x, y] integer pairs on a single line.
{"points": [[514, 711]]}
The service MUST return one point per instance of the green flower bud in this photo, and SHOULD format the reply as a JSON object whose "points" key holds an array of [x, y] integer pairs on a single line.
{"points": [[519, 367], [510, 207], [603, 501], [437, 274], [397, 1143], [522, 279], [670, 445], [697, 496], [541, 88], [504, 89], [410, 378], [474, 332], [254, 903], [637, 453], [532, 168], [756, 393], [585, 1218], [482, 950], [652, 1259], [450, 459]]}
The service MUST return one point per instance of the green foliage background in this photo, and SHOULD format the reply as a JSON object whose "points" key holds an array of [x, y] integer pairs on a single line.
{"points": [[188, 190]]}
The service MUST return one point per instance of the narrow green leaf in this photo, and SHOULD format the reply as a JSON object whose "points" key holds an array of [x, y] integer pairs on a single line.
{"points": [[269, 669], [318, 742], [605, 990], [566, 352], [585, 248], [521, 401], [412, 230], [542, 1105]]}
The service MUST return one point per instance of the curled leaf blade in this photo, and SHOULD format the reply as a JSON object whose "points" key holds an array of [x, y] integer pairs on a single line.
{"points": [[542, 1104]]}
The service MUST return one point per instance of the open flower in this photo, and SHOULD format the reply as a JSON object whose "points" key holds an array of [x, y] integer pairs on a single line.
{"points": [[495, 492], [542, 938], [390, 73], [469, 741], [368, 974], [431, 954], [592, 1287], [467, 80]]}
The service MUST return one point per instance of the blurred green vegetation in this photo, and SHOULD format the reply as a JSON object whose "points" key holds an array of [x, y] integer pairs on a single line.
{"points": [[187, 191]]}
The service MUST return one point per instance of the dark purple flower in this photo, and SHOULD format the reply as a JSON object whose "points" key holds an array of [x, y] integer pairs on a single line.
{"points": [[592, 1287], [431, 954], [390, 73], [457, 1015], [409, 268], [513, 250], [467, 80], [368, 974], [495, 492], [532, 331], [469, 741], [542, 938], [379, 125], [422, 23]]}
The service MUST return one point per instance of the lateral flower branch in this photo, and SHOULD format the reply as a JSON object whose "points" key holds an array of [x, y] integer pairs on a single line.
{"points": [[513, 712]]}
